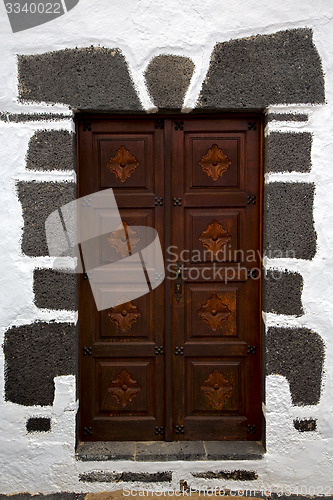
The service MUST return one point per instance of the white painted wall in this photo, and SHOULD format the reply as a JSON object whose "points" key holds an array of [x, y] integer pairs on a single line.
{"points": [[142, 29]]}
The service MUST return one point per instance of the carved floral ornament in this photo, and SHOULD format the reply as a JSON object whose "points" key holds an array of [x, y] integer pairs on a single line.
{"points": [[123, 239], [122, 164], [214, 312], [217, 388], [124, 315], [214, 162], [124, 388], [214, 237]]}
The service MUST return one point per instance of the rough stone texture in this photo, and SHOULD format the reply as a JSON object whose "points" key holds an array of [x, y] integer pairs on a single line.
{"points": [[94, 78], [55, 290], [35, 117], [288, 152], [34, 355], [297, 354], [161, 451], [236, 475], [282, 292], [51, 150], [38, 200], [168, 78], [251, 73], [288, 221], [38, 496], [306, 425], [286, 117], [116, 477], [38, 424]]}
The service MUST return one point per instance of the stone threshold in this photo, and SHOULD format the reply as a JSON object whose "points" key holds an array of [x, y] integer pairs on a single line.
{"points": [[161, 451]]}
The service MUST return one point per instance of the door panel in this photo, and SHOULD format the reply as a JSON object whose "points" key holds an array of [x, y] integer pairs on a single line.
{"points": [[182, 362]]}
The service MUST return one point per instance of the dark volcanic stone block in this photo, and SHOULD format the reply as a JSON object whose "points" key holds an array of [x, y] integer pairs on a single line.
{"points": [[168, 78], [306, 425], [94, 78], [298, 355], [39, 200], [236, 475], [38, 424], [287, 117], [55, 290], [116, 477], [51, 150], [288, 221], [282, 292], [251, 73], [288, 152], [34, 355]]}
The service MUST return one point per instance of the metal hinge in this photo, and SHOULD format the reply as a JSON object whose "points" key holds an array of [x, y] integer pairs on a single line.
{"points": [[179, 429], [179, 351], [159, 124], [158, 201], [252, 125], [87, 431], [87, 351], [251, 199], [251, 429], [159, 349], [159, 430], [252, 349], [179, 125]]}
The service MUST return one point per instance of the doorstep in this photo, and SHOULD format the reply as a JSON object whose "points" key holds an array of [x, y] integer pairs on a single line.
{"points": [[162, 451]]}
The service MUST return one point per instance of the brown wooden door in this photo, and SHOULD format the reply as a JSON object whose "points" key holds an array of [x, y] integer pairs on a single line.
{"points": [[182, 362]]}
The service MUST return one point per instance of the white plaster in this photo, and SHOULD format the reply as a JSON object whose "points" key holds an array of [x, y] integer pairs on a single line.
{"points": [[45, 462]]}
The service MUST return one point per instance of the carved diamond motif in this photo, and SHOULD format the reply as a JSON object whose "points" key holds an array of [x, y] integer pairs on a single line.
{"points": [[123, 164], [214, 162], [124, 315], [214, 237], [214, 312], [124, 388], [123, 239], [217, 388]]}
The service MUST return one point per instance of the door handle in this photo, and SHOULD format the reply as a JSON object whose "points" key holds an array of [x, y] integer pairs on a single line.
{"points": [[178, 288]]}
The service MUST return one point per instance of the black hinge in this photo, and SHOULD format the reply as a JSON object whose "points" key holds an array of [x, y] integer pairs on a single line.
{"points": [[159, 430], [252, 125], [179, 125], [158, 201], [87, 431], [252, 349], [253, 273], [86, 126], [159, 349], [86, 351], [251, 199], [177, 202], [179, 351], [159, 123], [251, 429], [85, 276], [179, 429]]}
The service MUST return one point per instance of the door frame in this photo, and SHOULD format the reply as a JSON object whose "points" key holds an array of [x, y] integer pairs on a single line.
{"points": [[259, 116]]}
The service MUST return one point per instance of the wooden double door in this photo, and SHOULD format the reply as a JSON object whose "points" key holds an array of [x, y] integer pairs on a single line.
{"points": [[182, 362]]}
